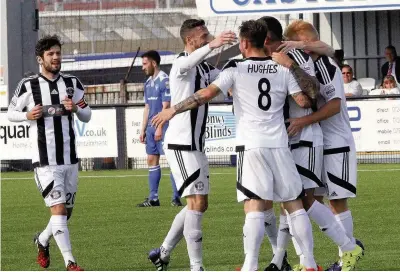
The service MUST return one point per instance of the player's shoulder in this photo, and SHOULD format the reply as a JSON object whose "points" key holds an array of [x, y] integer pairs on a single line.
{"points": [[326, 69], [233, 64], [69, 76], [20, 90], [299, 56], [163, 76], [64, 75]]}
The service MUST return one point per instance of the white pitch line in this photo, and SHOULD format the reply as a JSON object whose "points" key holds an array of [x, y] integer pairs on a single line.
{"points": [[227, 173]]}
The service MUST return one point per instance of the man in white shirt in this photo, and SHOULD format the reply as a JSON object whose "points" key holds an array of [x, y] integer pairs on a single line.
{"points": [[351, 86], [266, 170], [184, 141]]}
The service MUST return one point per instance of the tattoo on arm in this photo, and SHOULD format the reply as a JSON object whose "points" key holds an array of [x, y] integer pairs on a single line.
{"points": [[308, 84], [194, 101], [302, 100]]}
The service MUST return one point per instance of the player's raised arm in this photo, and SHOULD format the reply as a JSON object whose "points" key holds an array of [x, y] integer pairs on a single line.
{"points": [[318, 47], [226, 37], [308, 84]]}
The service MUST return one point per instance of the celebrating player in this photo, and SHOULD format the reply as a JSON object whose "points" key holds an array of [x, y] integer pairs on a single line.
{"points": [[266, 170], [184, 141], [157, 97], [52, 99], [340, 160]]}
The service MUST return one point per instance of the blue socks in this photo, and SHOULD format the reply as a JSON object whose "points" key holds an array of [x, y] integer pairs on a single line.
{"points": [[175, 194], [154, 181]]}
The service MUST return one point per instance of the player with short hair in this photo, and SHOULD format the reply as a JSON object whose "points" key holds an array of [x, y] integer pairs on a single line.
{"points": [[52, 99], [157, 97], [340, 160], [266, 170], [184, 141]]}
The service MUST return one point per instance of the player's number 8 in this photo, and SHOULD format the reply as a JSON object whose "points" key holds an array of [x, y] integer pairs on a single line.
{"points": [[264, 93]]}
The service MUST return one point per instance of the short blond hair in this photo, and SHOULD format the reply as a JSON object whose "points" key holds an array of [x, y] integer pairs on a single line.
{"points": [[301, 30]]}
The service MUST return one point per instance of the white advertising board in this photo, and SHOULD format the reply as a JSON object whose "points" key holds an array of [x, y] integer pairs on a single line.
{"points": [[375, 124], [207, 8], [96, 139], [220, 131]]}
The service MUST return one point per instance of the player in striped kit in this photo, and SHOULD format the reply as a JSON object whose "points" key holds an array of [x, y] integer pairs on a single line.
{"points": [[52, 99]]}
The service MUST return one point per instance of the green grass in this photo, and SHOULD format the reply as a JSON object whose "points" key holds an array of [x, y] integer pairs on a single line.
{"points": [[109, 233]]}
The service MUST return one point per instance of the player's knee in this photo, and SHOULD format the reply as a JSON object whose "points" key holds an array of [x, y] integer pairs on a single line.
{"points": [[58, 209], [153, 160], [338, 205]]}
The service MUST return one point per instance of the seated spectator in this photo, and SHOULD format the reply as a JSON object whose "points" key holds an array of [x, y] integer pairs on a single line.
{"points": [[389, 87], [392, 66], [351, 86]]}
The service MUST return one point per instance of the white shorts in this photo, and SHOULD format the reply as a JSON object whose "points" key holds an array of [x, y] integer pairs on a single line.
{"points": [[190, 171], [340, 173], [309, 162], [57, 184], [267, 173]]}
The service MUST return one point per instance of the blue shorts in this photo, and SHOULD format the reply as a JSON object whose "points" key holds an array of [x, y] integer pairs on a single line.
{"points": [[152, 146]]}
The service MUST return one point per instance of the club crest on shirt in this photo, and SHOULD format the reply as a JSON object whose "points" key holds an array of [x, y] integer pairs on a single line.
{"points": [[70, 91], [55, 195]]}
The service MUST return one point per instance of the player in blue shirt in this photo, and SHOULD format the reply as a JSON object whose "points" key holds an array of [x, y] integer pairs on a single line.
{"points": [[157, 97]]}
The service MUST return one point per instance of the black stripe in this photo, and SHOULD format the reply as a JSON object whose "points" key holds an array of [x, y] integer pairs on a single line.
{"points": [[203, 128], [181, 164], [239, 148], [41, 130], [300, 144], [309, 157], [286, 111], [314, 158], [246, 192], [240, 167], [342, 183], [194, 112], [337, 150], [189, 181], [73, 156], [183, 54], [230, 64], [22, 89], [58, 130], [39, 185], [309, 174], [48, 189], [180, 147], [347, 166], [343, 166], [259, 58]]}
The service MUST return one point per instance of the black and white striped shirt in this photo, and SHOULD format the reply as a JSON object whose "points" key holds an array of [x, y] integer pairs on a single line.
{"points": [[52, 135], [186, 131]]}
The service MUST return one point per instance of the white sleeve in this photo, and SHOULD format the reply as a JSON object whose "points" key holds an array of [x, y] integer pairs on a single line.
{"points": [[84, 112], [19, 101], [293, 86], [330, 78], [187, 63], [226, 78]]}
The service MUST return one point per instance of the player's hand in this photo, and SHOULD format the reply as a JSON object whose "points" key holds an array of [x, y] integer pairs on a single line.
{"points": [[142, 137], [226, 37], [282, 59], [162, 117], [69, 105], [35, 113], [286, 46], [158, 134], [296, 125]]}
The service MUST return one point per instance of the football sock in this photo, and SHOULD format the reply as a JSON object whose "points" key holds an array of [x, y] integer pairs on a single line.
{"points": [[253, 235], [282, 241], [175, 194], [326, 221], [174, 235], [194, 238], [46, 234], [302, 231], [345, 220], [154, 181], [270, 228], [61, 235]]}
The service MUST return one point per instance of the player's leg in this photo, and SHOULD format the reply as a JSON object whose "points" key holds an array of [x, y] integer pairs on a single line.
{"points": [[271, 230], [289, 190], [254, 187], [153, 162], [176, 201], [341, 176]]}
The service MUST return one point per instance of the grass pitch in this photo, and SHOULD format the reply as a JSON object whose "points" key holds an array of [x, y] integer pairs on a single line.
{"points": [[108, 232]]}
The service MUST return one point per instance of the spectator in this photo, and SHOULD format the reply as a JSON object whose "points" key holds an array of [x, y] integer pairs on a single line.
{"points": [[351, 86], [392, 66], [389, 87]]}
